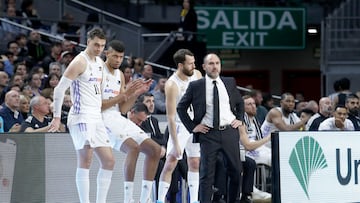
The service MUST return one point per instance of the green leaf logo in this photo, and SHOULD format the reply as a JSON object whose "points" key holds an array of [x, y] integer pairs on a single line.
{"points": [[306, 157]]}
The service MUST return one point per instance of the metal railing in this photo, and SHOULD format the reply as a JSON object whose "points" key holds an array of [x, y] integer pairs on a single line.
{"points": [[5, 21], [121, 28], [166, 41]]}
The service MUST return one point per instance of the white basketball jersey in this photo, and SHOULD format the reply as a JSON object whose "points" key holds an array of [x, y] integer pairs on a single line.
{"points": [[182, 86], [268, 128], [110, 87], [86, 94]]}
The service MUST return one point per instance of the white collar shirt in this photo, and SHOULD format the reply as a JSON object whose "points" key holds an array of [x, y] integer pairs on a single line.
{"points": [[226, 115]]}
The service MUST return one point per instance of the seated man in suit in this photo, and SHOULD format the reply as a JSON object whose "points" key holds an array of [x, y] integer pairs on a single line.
{"points": [[151, 126]]}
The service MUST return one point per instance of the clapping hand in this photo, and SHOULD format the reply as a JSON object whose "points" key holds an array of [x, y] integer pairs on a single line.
{"points": [[144, 87]]}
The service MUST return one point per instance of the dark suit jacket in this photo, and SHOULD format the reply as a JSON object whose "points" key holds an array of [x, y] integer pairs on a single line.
{"points": [[158, 137], [195, 95]]}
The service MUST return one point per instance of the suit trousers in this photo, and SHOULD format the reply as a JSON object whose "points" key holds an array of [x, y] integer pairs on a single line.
{"points": [[219, 141]]}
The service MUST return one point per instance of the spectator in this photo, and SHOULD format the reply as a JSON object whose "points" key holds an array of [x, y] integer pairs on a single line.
{"points": [[65, 58], [138, 67], [38, 120], [13, 47], [27, 91], [68, 46], [352, 104], [8, 60], [65, 26], [52, 57], [50, 83], [147, 74], [11, 16], [4, 83], [55, 68], [37, 50], [2, 65], [34, 82], [131, 61], [49, 102], [43, 76], [14, 87], [24, 105], [17, 80], [126, 69], [10, 112], [30, 14], [159, 95], [188, 21], [21, 40], [22, 70], [13, 4]]}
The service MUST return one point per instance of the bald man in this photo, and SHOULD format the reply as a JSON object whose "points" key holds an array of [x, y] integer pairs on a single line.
{"points": [[325, 110], [10, 114]]}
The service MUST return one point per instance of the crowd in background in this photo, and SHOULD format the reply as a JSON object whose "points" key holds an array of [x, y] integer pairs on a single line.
{"points": [[30, 69]]}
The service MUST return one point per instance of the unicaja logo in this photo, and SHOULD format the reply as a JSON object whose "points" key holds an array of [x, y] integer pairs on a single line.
{"points": [[306, 158]]}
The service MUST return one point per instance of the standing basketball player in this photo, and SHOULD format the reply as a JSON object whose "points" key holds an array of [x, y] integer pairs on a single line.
{"points": [[84, 75]]}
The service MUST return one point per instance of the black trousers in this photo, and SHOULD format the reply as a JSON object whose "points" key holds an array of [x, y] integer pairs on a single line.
{"points": [[248, 176], [214, 142], [221, 177]]}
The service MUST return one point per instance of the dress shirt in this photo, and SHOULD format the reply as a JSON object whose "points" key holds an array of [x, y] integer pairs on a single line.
{"points": [[226, 116]]}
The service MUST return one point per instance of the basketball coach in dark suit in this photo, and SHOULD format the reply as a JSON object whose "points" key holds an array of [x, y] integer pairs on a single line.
{"points": [[214, 125]]}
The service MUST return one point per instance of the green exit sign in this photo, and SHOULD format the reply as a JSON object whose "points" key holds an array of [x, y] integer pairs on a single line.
{"points": [[252, 28]]}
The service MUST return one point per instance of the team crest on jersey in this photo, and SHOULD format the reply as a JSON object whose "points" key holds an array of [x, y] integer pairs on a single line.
{"points": [[99, 68], [118, 82]]}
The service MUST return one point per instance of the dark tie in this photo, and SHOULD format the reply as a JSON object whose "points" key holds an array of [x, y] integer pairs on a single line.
{"points": [[216, 121]]}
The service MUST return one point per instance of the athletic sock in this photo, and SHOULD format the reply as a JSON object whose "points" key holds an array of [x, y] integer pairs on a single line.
{"points": [[163, 189], [103, 184], [146, 188], [128, 191], [193, 183], [83, 184]]}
